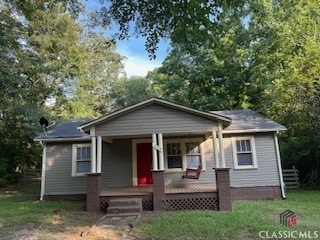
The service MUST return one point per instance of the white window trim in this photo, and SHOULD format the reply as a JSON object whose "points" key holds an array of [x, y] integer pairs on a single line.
{"points": [[74, 159], [253, 149], [183, 142]]}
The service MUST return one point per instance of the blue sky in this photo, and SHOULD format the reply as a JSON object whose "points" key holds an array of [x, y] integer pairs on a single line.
{"points": [[137, 62]]}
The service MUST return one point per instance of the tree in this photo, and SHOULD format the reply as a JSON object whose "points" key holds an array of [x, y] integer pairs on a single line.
{"points": [[286, 57], [126, 92], [79, 64], [189, 22], [211, 77], [46, 54], [91, 86], [20, 96]]}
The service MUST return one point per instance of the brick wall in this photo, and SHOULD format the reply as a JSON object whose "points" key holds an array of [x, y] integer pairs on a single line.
{"points": [[158, 190], [255, 193], [94, 185], [223, 188]]}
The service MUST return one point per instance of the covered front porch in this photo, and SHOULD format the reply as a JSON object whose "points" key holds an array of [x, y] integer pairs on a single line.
{"points": [[158, 196], [156, 141], [177, 197]]}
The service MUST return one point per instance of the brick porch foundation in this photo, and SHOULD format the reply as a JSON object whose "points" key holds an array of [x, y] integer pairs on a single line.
{"points": [[158, 190], [94, 186], [255, 193], [223, 188]]}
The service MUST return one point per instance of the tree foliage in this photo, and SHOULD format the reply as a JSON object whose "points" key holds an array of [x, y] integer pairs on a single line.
{"points": [[21, 91], [182, 21], [89, 94], [294, 95], [262, 55], [211, 77], [47, 54], [126, 92]]}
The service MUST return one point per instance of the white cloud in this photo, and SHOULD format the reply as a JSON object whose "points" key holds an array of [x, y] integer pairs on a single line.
{"points": [[137, 62], [139, 66]]}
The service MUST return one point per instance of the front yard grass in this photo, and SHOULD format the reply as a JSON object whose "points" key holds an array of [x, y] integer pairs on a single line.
{"points": [[246, 220], [22, 216]]}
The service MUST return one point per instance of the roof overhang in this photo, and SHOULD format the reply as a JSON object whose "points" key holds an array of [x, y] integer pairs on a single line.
{"points": [[62, 139], [252, 131]]}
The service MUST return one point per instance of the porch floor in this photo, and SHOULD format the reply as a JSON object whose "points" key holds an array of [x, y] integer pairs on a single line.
{"points": [[148, 190]]}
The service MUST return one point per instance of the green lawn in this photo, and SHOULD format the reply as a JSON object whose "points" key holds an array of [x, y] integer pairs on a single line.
{"points": [[246, 220], [21, 214]]}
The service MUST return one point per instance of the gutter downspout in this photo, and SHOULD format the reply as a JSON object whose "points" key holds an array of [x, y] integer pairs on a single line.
{"points": [[43, 169], [279, 165]]}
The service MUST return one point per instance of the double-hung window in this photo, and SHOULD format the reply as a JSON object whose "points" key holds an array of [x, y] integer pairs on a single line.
{"points": [[81, 159], [174, 155], [183, 153], [244, 153], [193, 155]]}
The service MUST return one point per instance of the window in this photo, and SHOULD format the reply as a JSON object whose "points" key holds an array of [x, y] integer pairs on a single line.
{"points": [[81, 159], [244, 153], [193, 154], [183, 153], [174, 155]]}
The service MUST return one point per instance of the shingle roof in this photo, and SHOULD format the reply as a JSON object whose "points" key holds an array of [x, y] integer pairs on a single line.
{"points": [[66, 130], [249, 121], [242, 121]]}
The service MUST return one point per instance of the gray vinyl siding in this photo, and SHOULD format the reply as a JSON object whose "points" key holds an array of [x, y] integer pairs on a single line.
{"points": [[117, 164], [116, 168], [267, 172], [155, 118], [59, 170]]}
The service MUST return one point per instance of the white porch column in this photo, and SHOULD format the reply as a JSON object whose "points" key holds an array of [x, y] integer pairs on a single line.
{"points": [[154, 152], [160, 143], [215, 148], [93, 150], [93, 155], [223, 161], [99, 153]]}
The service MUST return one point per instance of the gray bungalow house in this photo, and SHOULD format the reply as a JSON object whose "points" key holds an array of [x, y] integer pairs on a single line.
{"points": [[171, 156]]}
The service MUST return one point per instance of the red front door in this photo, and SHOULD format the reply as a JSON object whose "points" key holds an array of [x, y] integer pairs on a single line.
{"points": [[144, 163]]}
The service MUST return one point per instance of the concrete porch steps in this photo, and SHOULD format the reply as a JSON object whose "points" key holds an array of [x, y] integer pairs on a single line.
{"points": [[124, 206]]}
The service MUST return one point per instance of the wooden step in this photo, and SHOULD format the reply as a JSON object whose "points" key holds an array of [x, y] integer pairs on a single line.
{"points": [[124, 209], [125, 202], [124, 206]]}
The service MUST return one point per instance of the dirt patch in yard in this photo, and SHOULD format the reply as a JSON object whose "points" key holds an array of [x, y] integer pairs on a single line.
{"points": [[23, 217], [71, 234]]}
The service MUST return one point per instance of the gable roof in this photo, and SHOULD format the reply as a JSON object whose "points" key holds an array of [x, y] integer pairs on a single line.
{"points": [[65, 131], [212, 116], [248, 121], [236, 121]]}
